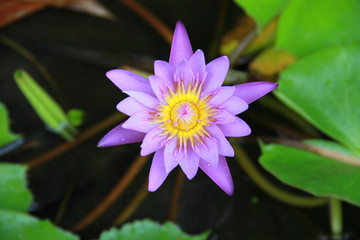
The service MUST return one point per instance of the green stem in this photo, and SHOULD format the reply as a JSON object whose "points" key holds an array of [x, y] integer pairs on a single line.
{"points": [[269, 188], [336, 222]]}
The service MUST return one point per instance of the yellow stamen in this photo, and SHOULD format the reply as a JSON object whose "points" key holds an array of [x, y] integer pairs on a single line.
{"points": [[185, 115]]}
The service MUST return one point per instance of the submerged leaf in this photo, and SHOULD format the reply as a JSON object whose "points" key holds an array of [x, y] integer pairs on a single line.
{"points": [[150, 230]]}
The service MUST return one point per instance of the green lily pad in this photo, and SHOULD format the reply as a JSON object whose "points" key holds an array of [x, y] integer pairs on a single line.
{"points": [[150, 230], [324, 88], [6, 135], [263, 11], [21, 226], [313, 173], [13, 191], [307, 25]]}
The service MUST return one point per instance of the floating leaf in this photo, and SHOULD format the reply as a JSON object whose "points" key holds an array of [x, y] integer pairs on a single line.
{"points": [[313, 173], [13, 191], [6, 136], [45, 106], [263, 11], [150, 230], [324, 88], [21, 226], [307, 25]]}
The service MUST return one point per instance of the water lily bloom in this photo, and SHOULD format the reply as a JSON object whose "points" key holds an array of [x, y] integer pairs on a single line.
{"points": [[184, 114]]}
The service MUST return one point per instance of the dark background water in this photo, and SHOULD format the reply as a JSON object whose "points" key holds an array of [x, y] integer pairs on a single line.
{"points": [[77, 49]]}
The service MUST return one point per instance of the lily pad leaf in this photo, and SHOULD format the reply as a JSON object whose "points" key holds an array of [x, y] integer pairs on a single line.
{"points": [[313, 173], [149, 230], [324, 88], [6, 135], [13, 191], [263, 11], [21, 226], [306, 25]]}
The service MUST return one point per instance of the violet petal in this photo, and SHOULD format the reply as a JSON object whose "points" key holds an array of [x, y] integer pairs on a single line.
{"points": [[160, 86], [164, 69], [190, 163], [144, 98], [209, 152], [128, 81], [139, 122], [179, 75], [120, 136], [157, 173], [216, 73], [187, 75], [236, 129], [224, 147], [252, 91], [220, 174], [181, 47], [152, 141], [130, 106], [221, 95], [224, 117], [234, 105], [171, 158], [197, 63]]}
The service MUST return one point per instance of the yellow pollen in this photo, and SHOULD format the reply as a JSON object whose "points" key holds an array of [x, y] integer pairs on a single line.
{"points": [[185, 114]]}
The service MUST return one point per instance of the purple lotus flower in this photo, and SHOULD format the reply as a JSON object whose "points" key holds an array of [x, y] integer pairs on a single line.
{"points": [[183, 114]]}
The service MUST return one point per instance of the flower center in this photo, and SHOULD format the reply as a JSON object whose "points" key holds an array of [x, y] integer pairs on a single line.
{"points": [[185, 114]]}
